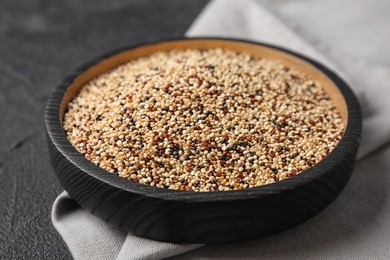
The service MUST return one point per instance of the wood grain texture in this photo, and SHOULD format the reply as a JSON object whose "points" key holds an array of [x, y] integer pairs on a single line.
{"points": [[193, 217]]}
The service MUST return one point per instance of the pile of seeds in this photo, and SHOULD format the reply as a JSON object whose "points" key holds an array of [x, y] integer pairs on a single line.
{"points": [[210, 120]]}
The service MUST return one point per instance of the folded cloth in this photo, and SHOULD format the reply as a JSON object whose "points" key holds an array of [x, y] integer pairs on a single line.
{"points": [[90, 238]]}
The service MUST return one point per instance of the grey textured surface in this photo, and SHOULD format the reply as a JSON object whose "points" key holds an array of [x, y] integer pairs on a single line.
{"points": [[40, 41]]}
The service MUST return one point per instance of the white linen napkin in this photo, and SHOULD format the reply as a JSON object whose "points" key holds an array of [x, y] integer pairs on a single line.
{"points": [[89, 237], [286, 24]]}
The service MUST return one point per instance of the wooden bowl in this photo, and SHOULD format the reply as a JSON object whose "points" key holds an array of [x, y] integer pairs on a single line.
{"points": [[203, 217]]}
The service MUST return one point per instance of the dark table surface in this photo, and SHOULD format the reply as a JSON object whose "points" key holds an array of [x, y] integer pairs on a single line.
{"points": [[40, 41]]}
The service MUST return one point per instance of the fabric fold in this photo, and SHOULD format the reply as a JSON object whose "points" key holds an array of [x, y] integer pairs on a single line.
{"points": [[89, 237]]}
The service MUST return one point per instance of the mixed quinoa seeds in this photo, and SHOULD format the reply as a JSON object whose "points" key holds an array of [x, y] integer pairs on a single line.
{"points": [[203, 120]]}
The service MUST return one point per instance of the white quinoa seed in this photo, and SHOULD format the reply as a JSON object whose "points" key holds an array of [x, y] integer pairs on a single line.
{"points": [[203, 120]]}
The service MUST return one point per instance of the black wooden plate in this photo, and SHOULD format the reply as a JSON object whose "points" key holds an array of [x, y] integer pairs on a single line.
{"points": [[198, 217]]}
